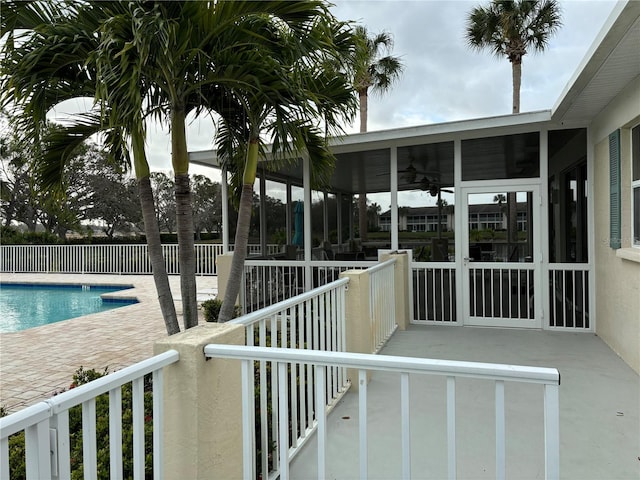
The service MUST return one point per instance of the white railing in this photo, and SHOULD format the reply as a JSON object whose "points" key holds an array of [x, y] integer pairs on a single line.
{"points": [[569, 296], [270, 281], [107, 259], [267, 282], [382, 302], [48, 439], [502, 291], [314, 320], [320, 362], [434, 292]]}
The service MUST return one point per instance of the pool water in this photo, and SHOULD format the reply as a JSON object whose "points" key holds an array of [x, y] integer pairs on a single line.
{"points": [[24, 306]]}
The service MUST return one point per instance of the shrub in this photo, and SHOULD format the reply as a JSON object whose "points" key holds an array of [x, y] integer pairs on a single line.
{"points": [[12, 236], [211, 309], [80, 377]]}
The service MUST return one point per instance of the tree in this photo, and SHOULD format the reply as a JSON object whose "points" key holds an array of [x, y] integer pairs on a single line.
{"points": [[191, 57], [511, 28], [294, 92], [57, 59], [373, 216], [163, 193], [115, 203], [375, 71], [25, 200], [207, 206], [16, 193]]}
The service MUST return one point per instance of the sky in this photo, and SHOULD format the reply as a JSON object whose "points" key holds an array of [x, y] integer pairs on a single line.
{"points": [[443, 79]]}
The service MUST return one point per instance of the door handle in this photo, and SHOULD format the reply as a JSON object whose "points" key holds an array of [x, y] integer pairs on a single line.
{"points": [[467, 259]]}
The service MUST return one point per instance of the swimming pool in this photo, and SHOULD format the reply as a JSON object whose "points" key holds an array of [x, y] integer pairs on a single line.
{"points": [[27, 305]]}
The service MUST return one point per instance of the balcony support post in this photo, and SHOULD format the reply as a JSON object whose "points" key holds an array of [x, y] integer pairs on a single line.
{"points": [[202, 405]]}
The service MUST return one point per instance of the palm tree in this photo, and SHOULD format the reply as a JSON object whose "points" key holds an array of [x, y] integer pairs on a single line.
{"points": [[500, 199], [375, 71], [294, 91], [191, 54], [511, 28], [56, 62]]}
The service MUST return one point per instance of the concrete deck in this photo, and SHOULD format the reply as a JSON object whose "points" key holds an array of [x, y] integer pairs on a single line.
{"points": [[599, 393], [599, 417], [36, 363]]}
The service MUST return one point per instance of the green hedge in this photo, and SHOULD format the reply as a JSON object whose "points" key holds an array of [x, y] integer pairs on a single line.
{"points": [[81, 376]]}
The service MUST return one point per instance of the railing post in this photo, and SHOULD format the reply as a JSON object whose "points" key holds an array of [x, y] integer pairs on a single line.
{"points": [[358, 319], [401, 285], [551, 431], [223, 269], [202, 405]]}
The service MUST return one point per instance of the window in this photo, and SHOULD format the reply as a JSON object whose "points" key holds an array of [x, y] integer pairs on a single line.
{"points": [[635, 185]]}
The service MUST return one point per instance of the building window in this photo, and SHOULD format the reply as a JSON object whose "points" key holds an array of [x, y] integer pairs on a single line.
{"points": [[522, 221], [635, 185]]}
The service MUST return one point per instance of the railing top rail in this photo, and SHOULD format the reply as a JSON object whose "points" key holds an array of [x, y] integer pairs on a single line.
{"points": [[451, 265], [253, 317], [24, 418], [491, 371], [35, 413], [314, 263], [569, 266], [382, 265], [85, 392]]}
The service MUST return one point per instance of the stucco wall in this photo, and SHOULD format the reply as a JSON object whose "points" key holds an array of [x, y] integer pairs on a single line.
{"points": [[617, 278]]}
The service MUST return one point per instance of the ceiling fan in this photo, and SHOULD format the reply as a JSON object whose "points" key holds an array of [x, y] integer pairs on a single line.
{"points": [[410, 174], [430, 184]]}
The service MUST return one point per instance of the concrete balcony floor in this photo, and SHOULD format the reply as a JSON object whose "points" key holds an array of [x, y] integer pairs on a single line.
{"points": [[599, 410]]}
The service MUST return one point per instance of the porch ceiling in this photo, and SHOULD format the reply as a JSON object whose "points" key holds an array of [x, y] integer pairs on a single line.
{"points": [[363, 160]]}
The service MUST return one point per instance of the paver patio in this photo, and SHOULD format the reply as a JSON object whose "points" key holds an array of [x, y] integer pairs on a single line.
{"points": [[36, 363]]}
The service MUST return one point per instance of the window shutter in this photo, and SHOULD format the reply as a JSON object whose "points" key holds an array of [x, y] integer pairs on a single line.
{"points": [[615, 231]]}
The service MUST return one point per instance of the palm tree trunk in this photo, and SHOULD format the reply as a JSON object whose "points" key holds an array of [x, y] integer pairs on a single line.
{"points": [[184, 218], [186, 248], [364, 110], [154, 250], [239, 254], [242, 234], [516, 74]]}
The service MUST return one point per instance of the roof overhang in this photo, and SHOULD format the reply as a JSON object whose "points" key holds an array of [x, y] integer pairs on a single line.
{"points": [[611, 63]]}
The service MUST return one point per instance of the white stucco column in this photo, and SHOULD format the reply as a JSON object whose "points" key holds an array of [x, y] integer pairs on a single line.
{"points": [[325, 216], [358, 317], [459, 205], [393, 179], [351, 218], [339, 201], [202, 405], [306, 183], [289, 213], [263, 213]]}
